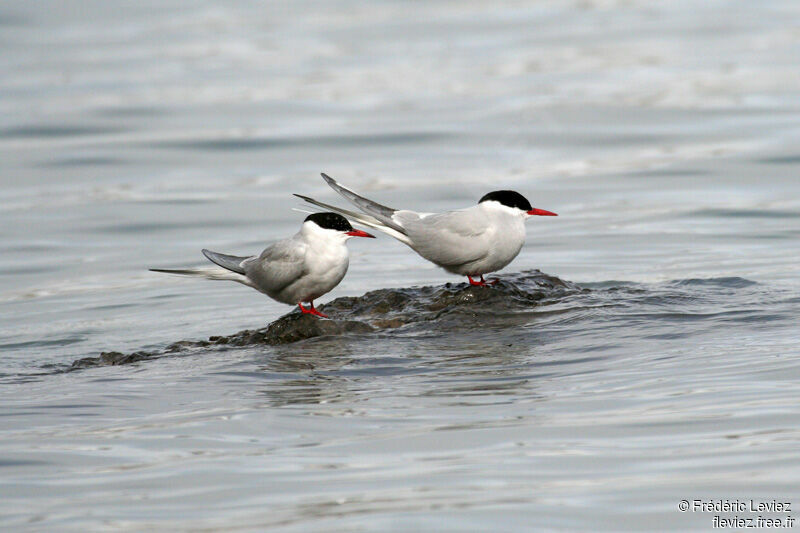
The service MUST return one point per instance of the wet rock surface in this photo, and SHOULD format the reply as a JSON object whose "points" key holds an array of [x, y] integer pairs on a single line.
{"points": [[450, 305]]}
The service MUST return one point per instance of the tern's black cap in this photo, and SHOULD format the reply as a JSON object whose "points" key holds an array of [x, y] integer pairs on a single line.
{"points": [[330, 221], [508, 198]]}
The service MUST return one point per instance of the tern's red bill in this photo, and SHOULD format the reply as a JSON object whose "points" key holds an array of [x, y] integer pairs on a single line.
{"points": [[359, 233], [542, 213]]}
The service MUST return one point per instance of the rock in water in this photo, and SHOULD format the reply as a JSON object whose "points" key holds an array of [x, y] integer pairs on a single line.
{"points": [[287, 329], [292, 328], [454, 304]]}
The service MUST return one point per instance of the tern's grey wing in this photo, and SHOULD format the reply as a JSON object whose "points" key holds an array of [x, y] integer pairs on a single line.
{"points": [[230, 262], [278, 266], [379, 211], [448, 239]]}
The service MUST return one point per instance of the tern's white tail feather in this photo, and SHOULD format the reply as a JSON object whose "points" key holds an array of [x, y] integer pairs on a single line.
{"points": [[361, 218], [372, 208], [207, 273]]}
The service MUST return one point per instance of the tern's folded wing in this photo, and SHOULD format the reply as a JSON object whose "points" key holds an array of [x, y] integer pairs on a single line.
{"points": [[448, 239], [278, 266]]}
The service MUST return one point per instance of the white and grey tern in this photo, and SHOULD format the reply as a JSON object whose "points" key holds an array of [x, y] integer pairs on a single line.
{"points": [[470, 242], [295, 270]]}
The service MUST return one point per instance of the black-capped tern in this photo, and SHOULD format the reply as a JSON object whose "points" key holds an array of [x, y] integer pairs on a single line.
{"points": [[292, 271], [470, 242]]}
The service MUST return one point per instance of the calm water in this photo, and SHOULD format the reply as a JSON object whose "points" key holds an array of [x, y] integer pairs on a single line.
{"points": [[666, 137]]}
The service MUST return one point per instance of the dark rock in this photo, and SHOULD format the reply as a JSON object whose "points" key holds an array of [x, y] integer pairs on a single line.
{"points": [[112, 359], [378, 310], [297, 327]]}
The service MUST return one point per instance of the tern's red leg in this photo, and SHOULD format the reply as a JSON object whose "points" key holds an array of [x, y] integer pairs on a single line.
{"points": [[311, 311], [476, 283], [482, 282], [314, 311]]}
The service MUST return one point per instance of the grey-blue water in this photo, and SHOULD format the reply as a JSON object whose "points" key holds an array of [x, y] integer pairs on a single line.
{"points": [[666, 367]]}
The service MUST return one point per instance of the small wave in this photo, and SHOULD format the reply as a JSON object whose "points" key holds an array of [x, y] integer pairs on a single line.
{"points": [[745, 213], [780, 160], [86, 161], [66, 341], [730, 282], [329, 141], [51, 131]]}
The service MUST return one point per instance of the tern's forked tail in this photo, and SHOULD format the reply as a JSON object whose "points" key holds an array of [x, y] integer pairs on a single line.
{"points": [[361, 218], [206, 273], [370, 207]]}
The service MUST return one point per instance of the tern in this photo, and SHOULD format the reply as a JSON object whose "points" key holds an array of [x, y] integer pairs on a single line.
{"points": [[470, 242], [292, 271]]}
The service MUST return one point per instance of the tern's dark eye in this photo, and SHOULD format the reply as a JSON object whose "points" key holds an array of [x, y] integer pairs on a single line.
{"points": [[330, 221], [508, 198]]}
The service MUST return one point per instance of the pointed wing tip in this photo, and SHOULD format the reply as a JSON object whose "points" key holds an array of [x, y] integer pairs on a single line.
{"points": [[226, 261], [327, 178], [209, 254]]}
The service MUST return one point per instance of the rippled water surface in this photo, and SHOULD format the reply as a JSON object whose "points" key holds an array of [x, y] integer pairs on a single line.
{"points": [[641, 350]]}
